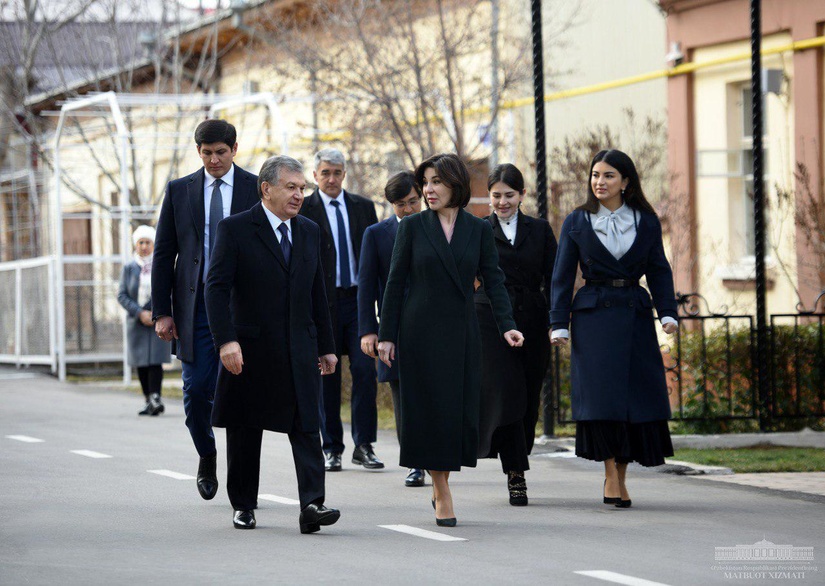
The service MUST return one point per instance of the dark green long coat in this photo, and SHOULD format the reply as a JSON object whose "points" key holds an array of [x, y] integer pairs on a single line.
{"points": [[436, 334]]}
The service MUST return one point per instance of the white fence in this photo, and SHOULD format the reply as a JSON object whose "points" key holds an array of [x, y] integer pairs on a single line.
{"points": [[28, 331]]}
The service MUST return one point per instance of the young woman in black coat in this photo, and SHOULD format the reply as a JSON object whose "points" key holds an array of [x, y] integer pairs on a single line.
{"points": [[512, 378], [428, 323], [618, 391]]}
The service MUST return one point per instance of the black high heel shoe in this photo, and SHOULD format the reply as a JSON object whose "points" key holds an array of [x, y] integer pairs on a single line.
{"points": [[451, 522], [623, 504], [611, 500]]}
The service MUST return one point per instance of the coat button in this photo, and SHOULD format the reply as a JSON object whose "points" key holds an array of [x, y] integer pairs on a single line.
{"points": [[630, 304], [191, 289], [588, 261], [520, 307], [607, 304], [196, 261], [329, 246]]}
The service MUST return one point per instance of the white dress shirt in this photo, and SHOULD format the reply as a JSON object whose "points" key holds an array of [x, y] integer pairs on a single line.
{"points": [[333, 226], [509, 227], [276, 222], [617, 231], [226, 201]]}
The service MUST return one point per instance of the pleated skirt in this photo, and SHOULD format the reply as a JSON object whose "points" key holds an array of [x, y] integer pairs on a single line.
{"points": [[647, 443]]}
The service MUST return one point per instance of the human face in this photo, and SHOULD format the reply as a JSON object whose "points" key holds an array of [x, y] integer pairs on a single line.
{"points": [[438, 194], [286, 197], [217, 157], [505, 200], [329, 178], [607, 183], [407, 206], [144, 247]]}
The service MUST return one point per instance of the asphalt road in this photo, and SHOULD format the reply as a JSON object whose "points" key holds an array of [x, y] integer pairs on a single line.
{"points": [[81, 518]]}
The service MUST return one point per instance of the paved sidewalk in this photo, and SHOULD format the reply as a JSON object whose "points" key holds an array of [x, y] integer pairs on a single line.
{"points": [[812, 483]]}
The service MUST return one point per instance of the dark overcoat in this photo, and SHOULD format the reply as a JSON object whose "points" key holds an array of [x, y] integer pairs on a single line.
{"points": [[278, 313], [143, 347], [373, 271], [435, 331], [178, 258], [512, 378], [617, 373], [361, 215]]}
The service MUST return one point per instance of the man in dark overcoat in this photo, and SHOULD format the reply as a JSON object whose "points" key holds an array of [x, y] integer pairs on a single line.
{"points": [[270, 324], [186, 229], [343, 217]]}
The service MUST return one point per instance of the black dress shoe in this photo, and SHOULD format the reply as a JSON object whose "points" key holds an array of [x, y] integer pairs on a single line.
{"points": [[147, 409], [313, 516], [364, 456], [332, 462], [517, 486], [244, 520], [155, 405], [208, 478], [415, 478]]}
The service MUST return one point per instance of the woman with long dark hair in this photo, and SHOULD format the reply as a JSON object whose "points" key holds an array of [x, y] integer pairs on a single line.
{"points": [[432, 330], [512, 378], [618, 390]]}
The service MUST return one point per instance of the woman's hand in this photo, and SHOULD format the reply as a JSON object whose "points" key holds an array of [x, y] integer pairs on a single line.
{"points": [[670, 327], [386, 352], [514, 337], [145, 317], [369, 343]]}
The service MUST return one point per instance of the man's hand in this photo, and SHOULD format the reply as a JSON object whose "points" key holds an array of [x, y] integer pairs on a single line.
{"points": [[232, 358], [558, 341], [326, 364], [514, 337], [386, 352], [145, 317], [369, 345], [165, 328]]}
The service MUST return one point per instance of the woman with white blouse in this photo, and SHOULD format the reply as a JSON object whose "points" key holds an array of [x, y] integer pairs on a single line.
{"points": [[618, 391]]}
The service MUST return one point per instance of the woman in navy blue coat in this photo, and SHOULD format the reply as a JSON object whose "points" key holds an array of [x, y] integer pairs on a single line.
{"points": [[618, 391]]}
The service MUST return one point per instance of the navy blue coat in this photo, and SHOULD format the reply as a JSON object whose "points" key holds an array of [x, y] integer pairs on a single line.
{"points": [[176, 267], [616, 369], [373, 270], [278, 313]]}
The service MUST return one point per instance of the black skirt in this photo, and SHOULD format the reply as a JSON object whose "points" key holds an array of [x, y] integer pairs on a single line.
{"points": [[646, 443]]}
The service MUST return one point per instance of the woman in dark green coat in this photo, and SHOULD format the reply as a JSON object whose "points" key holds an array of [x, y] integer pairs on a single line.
{"points": [[432, 328]]}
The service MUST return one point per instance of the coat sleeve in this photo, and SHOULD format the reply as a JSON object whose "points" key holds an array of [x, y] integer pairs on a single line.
{"points": [[130, 305], [320, 307], [660, 277], [550, 248], [163, 260], [367, 285], [564, 278], [493, 279], [223, 266], [396, 282]]}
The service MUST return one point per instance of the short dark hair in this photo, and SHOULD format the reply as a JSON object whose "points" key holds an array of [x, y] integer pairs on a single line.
{"points": [[211, 131], [633, 195], [400, 185], [453, 172], [508, 174]]}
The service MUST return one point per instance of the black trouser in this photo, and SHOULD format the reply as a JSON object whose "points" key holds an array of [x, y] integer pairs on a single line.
{"points": [[151, 378], [396, 407], [508, 441], [243, 454]]}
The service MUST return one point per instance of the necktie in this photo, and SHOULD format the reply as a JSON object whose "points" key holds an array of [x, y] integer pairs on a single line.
{"points": [[215, 213], [286, 247], [343, 249]]}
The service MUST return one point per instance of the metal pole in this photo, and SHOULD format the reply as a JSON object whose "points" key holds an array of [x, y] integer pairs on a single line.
{"points": [[541, 180], [494, 89], [759, 215]]}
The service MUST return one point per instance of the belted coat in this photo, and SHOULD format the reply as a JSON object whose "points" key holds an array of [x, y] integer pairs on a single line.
{"points": [[436, 334], [616, 367]]}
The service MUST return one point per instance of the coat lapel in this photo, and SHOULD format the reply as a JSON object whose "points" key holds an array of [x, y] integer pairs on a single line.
{"points": [[498, 232], [391, 226], [242, 191], [586, 238], [643, 228], [266, 234], [317, 213], [432, 228], [298, 244], [522, 228], [461, 237], [194, 190], [353, 219]]}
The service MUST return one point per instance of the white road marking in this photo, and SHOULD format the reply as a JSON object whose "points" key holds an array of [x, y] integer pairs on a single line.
{"points": [[90, 454], [25, 438], [619, 578], [17, 376], [421, 533], [278, 499], [171, 474]]}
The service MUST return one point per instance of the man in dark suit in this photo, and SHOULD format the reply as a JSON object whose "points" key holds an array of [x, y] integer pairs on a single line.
{"points": [[343, 217], [373, 269], [270, 322], [189, 216]]}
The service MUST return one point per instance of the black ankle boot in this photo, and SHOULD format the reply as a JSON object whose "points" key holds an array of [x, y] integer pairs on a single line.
{"points": [[155, 405], [517, 486]]}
